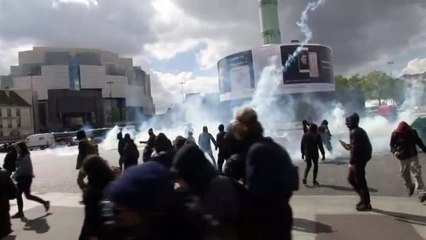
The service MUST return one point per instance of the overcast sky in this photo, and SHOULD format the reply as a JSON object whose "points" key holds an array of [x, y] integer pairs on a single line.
{"points": [[183, 39]]}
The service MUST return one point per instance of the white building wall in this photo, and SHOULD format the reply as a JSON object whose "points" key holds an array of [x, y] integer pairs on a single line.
{"points": [[92, 77], [24, 83], [118, 88], [56, 76], [31, 56]]}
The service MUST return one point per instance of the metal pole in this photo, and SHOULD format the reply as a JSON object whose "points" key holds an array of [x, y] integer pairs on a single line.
{"points": [[390, 63], [181, 90], [32, 101]]}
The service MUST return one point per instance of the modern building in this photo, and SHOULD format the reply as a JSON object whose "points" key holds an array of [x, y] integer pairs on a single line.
{"points": [[15, 116], [77, 87]]}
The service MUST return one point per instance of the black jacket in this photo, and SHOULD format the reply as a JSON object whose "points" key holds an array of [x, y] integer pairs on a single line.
{"points": [[360, 146], [7, 192], [220, 140], [130, 153], [83, 151], [165, 158], [405, 144], [310, 144], [121, 144], [10, 161]]}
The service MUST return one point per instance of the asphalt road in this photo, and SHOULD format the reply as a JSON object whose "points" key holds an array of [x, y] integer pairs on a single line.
{"points": [[55, 172]]}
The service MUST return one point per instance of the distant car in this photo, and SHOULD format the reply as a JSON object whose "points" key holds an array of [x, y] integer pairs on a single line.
{"points": [[41, 141]]}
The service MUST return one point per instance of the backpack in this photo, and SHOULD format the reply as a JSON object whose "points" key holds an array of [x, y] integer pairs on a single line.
{"points": [[291, 170], [92, 148]]}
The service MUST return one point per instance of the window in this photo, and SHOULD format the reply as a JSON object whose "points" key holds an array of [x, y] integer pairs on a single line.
{"points": [[18, 112], [9, 112], [1, 133], [1, 112], [1, 123], [18, 122], [9, 123]]}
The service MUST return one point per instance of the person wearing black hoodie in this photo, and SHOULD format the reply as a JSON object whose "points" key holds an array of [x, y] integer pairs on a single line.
{"points": [[100, 175], [305, 125], [310, 144], [9, 163], [403, 144], [164, 151], [218, 196], [8, 192], [271, 179], [360, 153], [146, 207], [149, 148], [223, 151], [130, 152]]}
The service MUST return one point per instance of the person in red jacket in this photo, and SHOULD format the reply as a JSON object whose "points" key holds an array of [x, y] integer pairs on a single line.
{"points": [[403, 144]]}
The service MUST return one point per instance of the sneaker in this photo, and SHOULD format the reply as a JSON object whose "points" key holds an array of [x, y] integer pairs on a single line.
{"points": [[411, 191], [304, 181], [364, 207], [47, 206], [316, 183], [18, 215], [360, 203], [422, 198]]}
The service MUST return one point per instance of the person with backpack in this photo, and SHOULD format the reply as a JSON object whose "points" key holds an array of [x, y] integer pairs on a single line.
{"points": [[130, 152], [403, 144], [99, 175], [360, 153], [7, 193], [310, 144], [86, 147], [218, 196], [271, 179]]}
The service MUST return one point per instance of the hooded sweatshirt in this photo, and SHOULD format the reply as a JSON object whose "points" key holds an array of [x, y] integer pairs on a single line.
{"points": [[218, 195], [360, 146], [404, 140]]}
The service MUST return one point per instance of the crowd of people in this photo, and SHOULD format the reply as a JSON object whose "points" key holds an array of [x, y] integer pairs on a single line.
{"points": [[180, 192]]}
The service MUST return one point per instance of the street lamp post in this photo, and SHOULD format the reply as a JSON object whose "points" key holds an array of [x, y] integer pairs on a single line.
{"points": [[32, 100], [390, 63], [182, 83], [110, 98]]}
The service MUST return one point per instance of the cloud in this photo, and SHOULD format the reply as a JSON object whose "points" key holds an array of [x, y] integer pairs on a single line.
{"points": [[415, 66]]}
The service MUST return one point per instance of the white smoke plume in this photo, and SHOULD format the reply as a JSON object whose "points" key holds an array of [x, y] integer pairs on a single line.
{"points": [[303, 25]]}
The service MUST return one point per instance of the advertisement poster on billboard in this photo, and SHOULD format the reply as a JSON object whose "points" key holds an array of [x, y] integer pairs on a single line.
{"points": [[312, 65], [266, 56], [236, 72]]}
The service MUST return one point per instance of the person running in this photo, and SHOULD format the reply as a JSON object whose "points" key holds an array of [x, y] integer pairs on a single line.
{"points": [[130, 152], [325, 134], [403, 144], [149, 148], [204, 143], [9, 163], [310, 144], [360, 153], [223, 151], [24, 177], [7, 193], [100, 175]]}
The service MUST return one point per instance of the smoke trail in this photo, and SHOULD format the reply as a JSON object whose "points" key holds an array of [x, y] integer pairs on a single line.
{"points": [[302, 24]]}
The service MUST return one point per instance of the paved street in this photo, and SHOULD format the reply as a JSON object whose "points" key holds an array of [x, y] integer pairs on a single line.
{"points": [[325, 212]]}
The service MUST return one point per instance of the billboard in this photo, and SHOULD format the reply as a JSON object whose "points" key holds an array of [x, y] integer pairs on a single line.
{"points": [[311, 70], [313, 64]]}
